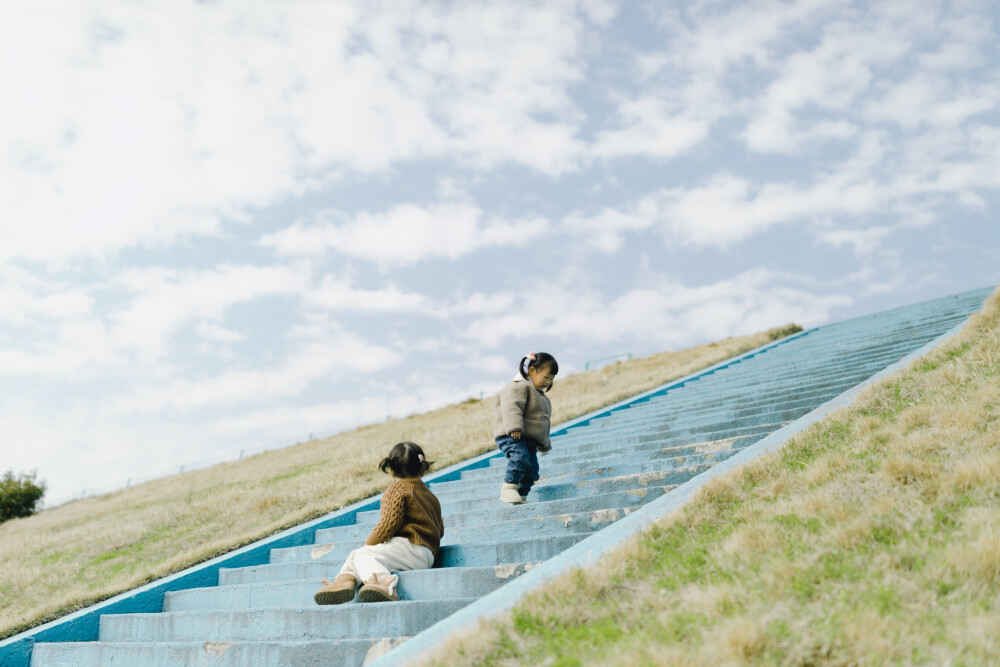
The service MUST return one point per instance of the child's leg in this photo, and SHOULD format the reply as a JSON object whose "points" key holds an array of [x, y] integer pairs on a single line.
{"points": [[397, 554], [518, 460], [532, 474]]}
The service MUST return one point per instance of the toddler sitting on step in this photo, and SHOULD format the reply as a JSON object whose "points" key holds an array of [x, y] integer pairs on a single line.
{"points": [[406, 537]]}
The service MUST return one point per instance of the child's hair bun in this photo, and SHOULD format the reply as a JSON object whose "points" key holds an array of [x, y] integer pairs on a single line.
{"points": [[406, 459]]}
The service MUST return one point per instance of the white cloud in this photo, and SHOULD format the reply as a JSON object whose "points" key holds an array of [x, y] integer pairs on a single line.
{"points": [[713, 36], [29, 299], [604, 230], [336, 294], [862, 241], [727, 209], [164, 300], [307, 363], [923, 99], [406, 234], [144, 126], [665, 313], [216, 332], [651, 128]]}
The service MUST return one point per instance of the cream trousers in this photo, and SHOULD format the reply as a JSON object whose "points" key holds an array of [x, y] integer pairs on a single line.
{"points": [[397, 554]]}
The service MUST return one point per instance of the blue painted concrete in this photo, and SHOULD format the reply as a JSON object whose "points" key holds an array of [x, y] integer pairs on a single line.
{"points": [[747, 400]]}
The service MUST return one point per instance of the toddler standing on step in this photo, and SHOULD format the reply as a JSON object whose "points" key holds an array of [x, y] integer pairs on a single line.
{"points": [[521, 424], [406, 537]]}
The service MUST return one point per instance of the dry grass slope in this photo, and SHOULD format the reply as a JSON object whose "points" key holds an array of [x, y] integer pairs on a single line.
{"points": [[74, 555], [872, 538]]}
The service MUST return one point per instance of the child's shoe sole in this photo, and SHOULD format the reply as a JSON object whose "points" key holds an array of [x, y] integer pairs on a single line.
{"points": [[374, 595], [334, 597]]}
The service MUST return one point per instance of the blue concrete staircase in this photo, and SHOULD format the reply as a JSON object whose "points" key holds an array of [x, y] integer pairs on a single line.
{"points": [[599, 471]]}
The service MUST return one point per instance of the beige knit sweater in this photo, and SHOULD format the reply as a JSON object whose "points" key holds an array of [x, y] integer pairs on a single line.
{"points": [[409, 510], [521, 407]]}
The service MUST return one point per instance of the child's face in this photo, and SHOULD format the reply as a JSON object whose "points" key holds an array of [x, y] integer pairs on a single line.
{"points": [[541, 377]]}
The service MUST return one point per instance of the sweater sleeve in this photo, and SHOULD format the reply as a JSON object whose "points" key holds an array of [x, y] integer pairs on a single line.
{"points": [[390, 516], [513, 398]]}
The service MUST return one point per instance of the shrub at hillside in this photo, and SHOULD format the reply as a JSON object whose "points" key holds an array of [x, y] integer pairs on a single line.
{"points": [[19, 494]]}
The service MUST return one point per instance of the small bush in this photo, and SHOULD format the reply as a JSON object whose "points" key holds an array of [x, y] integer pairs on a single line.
{"points": [[782, 332], [19, 494]]}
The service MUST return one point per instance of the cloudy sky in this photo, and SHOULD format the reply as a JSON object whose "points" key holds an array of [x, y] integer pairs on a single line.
{"points": [[226, 226]]}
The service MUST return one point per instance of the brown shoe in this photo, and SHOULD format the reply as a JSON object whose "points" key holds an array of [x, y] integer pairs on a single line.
{"points": [[379, 589], [339, 592]]}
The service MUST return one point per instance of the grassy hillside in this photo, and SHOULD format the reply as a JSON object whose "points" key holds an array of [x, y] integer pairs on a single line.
{"points": [[89, 550], [871, 538]]}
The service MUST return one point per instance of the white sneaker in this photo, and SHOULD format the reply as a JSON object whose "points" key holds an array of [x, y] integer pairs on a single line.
{"points": [[509, 494]]}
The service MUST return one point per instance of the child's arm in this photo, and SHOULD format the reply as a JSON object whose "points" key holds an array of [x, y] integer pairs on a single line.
{"points": [[513, 398], [390, 517]]}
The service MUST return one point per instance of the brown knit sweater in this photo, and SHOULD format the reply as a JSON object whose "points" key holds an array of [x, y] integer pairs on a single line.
{"points": [[409, 510]]}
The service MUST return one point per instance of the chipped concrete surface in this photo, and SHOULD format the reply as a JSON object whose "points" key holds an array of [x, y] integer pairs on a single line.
{"points": [[603, 516], [321, 550], [381, 647], [215, 648], [505, 571]]}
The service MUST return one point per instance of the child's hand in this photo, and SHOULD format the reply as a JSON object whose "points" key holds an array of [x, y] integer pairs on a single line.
{"points": [[516, 435]]}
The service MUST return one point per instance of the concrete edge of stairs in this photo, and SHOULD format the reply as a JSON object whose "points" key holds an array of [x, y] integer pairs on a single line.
{"points": [[84, 624], [589, 550]]}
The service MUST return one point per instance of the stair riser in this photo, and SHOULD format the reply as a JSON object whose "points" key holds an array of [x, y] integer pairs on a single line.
{"points": [[734, 381], [558, 457], [329, 622], [553, 464], [210, 654], [452, 497], [742, 405], [435, 584], [466, 555], [450, 554], [723, 397], [671, 440]]}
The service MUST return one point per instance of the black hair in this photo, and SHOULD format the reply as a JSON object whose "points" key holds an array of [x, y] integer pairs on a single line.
{"points": [[406, 460], [541, 360]]}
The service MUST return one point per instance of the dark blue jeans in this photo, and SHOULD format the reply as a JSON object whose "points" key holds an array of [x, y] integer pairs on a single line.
{"points": [[522, 462]]}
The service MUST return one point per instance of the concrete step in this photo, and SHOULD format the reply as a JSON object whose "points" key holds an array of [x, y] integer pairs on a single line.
{"points": [[646, 473], [353, 536], [359, 621], [463, 555], [624, 439], [557, 462], [503, 512], [749, 403], [435, 584], [669, 447], [715, 390], [213, 653], [816, 389], [550, 489], [811, 363]]}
